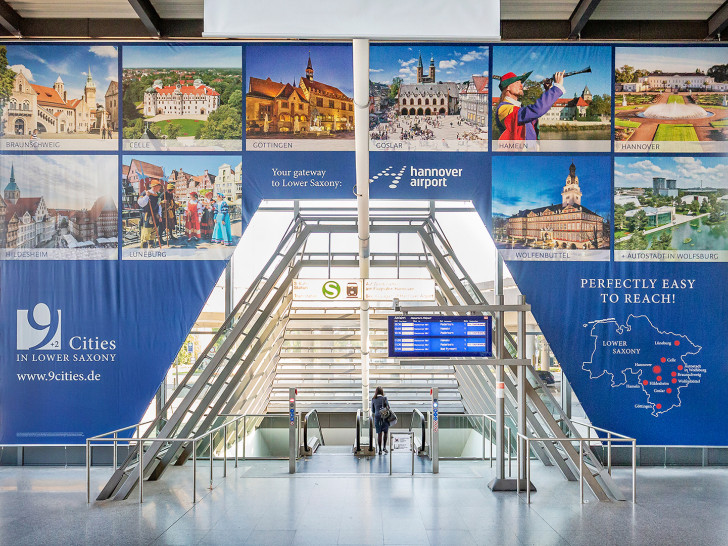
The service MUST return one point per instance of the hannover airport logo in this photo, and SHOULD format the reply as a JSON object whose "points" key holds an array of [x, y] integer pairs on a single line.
{"points": [[39, 329]]}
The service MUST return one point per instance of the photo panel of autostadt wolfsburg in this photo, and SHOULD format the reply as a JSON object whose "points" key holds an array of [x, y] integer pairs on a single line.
{"points": [[304, 280]]}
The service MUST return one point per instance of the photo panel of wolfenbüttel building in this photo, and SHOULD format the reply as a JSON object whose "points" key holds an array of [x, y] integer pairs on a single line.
{"points": [[532, 112]]}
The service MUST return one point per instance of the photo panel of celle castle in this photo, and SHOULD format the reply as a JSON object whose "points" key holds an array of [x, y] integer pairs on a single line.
{"points": [[552, 98], [671, 208], [59, 97], [299, 97], [671, 99], [180, 97], [554, 208], [436, 104], [58, 207], [181, 206]]}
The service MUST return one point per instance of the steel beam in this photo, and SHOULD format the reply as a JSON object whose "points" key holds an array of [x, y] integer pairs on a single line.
{"points": [[10, 19], [580, 17], [718, 22], [148, 16]]}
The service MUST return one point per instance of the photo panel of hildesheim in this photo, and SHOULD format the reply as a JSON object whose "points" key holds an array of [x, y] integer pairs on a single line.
{"points": [[58, 207]]}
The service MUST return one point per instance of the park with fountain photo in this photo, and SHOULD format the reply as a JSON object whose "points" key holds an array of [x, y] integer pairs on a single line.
{"points": [[674, 97]]}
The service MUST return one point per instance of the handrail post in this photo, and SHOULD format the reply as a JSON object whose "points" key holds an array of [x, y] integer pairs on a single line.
{"points": [[245, 429], [634, 471], [116, 435], [509, 453], [211, 460], [224, 453], [483, 429], [490, 440], [88, 472], [581, 471], [140, 443], [609, 453], [528, 471], [237, 421], [194, 471]]}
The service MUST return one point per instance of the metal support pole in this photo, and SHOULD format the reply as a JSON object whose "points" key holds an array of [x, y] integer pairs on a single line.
{"points": [[224, 452], [581, 471], [499, 483], [211, 459], [88, 471], [245, 428], [237, 421], [634, 471], [194, 471], [490, 440], [391, 453], [483, 429], [510, 466], [521, 379], [291, 430], [412, 445], [609, 453], [141, 471], [435, 440], [361, 140], [528, 470], [115, 446]]}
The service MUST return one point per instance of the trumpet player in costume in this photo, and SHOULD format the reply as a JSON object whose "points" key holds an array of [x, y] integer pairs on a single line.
{"points": [[519, 122], [222, 222]]}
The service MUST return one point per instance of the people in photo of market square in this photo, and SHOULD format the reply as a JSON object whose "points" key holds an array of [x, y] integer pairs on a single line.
{"points": [[207, 216], [192, 218]]}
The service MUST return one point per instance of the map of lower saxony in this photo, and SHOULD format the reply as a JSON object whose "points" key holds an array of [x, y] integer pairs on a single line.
{"points": [[638, 355]]}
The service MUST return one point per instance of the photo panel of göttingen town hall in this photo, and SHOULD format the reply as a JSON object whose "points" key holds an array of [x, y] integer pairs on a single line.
{"points": [[363, 273]]}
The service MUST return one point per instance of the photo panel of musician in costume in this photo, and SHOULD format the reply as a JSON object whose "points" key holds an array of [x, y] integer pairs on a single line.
{"points": [[551, 98], [181, 206]]}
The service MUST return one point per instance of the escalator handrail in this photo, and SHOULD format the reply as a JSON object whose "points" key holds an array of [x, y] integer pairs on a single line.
{"points": [[357, 442], [305, 428], [416, 412]]}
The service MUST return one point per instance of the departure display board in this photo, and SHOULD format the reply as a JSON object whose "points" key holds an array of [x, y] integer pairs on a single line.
{"points": [[439, 336]]}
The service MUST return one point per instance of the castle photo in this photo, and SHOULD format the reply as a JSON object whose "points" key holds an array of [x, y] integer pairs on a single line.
{"points": [[76, 101], [531, 210], [182, 97], [441, 105]]}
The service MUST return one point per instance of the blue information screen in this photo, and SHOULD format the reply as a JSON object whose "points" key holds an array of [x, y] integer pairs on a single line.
{"points": [[438, 336]]}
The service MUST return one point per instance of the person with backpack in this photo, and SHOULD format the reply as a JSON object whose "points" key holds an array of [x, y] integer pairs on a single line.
{"points": [[382, 414]]}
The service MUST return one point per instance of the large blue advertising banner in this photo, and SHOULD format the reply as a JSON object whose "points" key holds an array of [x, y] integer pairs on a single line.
{"points": [[129, 173]]}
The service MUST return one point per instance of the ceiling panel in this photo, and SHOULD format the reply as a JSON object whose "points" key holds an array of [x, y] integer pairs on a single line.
{"points": [[179, 9], [61, 9], [537, 10], [656, 10]]}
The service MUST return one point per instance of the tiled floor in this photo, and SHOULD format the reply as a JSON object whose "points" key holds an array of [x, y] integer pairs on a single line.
{"points": [[259, 503]]}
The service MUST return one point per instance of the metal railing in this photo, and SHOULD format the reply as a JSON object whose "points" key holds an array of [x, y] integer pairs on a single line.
{"points": [[484, 418], [209, 435], [612, 437]]}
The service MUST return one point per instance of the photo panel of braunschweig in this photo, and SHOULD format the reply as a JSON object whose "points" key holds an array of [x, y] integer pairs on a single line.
{"points": [[671, 99], [180, 97], [552, 98], [58, 207], [181, 206], [299, 97], [552, 208], [59, 97], [669, 208], [428, 97]]}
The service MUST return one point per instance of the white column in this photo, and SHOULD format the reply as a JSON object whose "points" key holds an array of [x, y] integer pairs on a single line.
{"points": [[361, 135]]}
